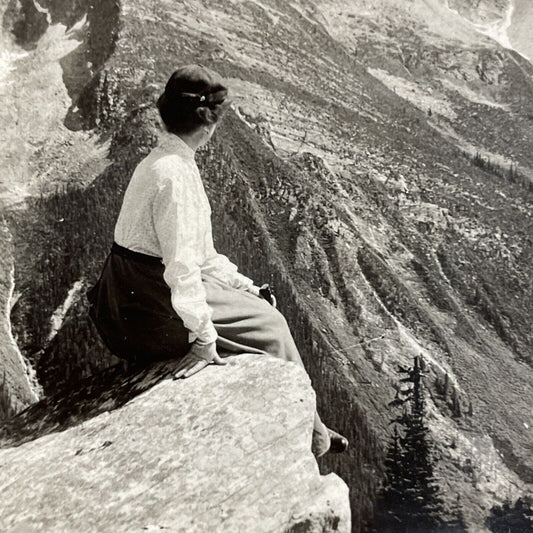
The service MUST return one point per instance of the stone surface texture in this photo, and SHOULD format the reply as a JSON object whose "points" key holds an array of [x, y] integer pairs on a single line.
{"points": [[225, 450]]}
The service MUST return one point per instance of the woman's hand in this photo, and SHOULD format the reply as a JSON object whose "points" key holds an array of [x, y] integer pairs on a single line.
{"points": [[198, 357], [259, 292]]}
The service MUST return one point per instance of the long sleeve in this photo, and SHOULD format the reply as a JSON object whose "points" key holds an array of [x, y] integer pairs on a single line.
{"points": [[178, 218], [220, 267]]}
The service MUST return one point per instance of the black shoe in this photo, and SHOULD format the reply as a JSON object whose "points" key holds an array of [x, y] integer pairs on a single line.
{"points": [[339, 443]]}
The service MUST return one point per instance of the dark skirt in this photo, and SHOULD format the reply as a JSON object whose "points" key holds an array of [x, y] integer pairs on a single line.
{"points": [[132, 310], [130, 306]]}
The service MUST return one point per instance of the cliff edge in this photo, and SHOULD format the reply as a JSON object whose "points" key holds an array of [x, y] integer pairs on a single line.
{"points": [[225, 450]]}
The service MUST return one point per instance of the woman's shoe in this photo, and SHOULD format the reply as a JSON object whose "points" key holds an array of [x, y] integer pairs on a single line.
{"points": [[339, 443]]}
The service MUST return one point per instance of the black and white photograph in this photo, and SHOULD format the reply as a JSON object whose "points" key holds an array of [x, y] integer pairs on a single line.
{"points": [[266, 266]]}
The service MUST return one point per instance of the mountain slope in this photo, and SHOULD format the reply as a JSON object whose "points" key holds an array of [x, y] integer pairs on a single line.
{"points": [[374, 170]]}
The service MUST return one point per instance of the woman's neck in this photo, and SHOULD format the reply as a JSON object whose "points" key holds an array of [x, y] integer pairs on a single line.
{"points": [[193, 140]]}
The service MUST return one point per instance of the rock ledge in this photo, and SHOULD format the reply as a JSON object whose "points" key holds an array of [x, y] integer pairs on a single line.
{"points": [[226, 450]]}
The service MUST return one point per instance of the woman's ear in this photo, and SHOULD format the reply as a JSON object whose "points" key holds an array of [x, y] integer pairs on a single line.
{"points": [[206, 115]]}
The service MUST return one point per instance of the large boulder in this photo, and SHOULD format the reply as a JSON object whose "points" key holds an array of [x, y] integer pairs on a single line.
{"points": [[225, 450]]}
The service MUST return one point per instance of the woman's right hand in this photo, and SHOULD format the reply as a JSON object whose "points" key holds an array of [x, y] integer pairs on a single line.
{"points": [[198, 357]]}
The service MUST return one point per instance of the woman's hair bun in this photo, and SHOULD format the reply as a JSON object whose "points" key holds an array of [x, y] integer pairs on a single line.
{"points": [[194, 96]]}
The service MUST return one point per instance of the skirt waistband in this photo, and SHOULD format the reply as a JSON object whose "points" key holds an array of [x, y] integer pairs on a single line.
{"points": [[135, 256]]}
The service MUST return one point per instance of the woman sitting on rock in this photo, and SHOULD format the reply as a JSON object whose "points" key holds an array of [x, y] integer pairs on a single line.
{"points": [[164, 291]]}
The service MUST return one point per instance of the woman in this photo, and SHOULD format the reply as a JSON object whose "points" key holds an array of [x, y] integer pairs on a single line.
{"points": [[164, 291]]}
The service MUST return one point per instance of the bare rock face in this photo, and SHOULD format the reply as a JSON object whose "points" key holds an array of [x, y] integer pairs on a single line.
{"points": [[225, 450]]}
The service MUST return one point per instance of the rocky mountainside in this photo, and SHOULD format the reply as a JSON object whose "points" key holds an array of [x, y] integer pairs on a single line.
{"points": [[376, 169]]}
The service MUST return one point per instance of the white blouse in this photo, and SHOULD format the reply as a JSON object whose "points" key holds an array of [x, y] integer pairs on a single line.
{"points": [[166, 213]]}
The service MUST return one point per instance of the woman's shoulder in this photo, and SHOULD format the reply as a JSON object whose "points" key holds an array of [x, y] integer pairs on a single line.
{"points": [[164, 166]]}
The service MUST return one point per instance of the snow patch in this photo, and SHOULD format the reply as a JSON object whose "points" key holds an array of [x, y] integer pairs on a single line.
{"points": [[28, 371], [469, 94], [58, 316], [32, 84], [498, 29], [41, 9], [418, 96]]}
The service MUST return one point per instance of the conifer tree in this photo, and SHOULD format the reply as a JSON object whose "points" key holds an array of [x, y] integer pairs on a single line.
{"points": [[409, 501], [391, 498], [508, 518], [421, 502]]}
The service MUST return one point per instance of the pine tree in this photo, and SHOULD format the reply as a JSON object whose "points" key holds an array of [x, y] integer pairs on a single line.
{"points": [[421, 503], [391, 498], [506, 518], [409, 500]]}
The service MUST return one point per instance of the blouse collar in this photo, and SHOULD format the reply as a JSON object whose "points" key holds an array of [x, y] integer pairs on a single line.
{"points": [[175, 144]]}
